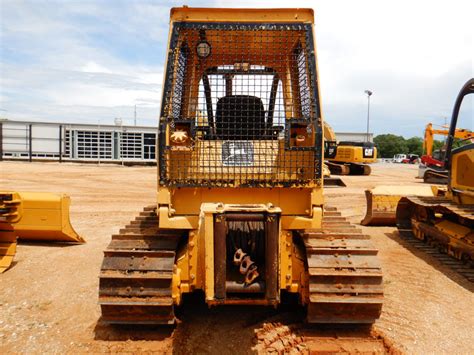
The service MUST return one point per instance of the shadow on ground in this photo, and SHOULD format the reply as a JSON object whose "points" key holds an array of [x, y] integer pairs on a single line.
{"points": [[432, 261]]}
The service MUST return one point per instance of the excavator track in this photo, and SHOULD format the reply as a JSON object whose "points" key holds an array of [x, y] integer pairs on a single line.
{"points": [[419, 221], [137, 271], [345, 277], [340, 168], [360, 169]]}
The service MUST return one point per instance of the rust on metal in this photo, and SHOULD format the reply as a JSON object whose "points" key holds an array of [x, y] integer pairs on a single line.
{"points": [[237, 287], [271, 256], [220, 259], [345, 276], [136, 273]]}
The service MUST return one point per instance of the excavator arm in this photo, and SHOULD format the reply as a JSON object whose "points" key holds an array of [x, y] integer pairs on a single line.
{"points": [[430, 132]]}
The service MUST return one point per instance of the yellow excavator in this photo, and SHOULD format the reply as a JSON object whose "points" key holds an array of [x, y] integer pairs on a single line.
{"points": [[240, 214], [448, 221], [33, 216], [347, 158]]}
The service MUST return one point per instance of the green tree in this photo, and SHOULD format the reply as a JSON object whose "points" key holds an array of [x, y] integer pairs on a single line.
{"points": [[389, 144], [438, 145], [415, 145]]}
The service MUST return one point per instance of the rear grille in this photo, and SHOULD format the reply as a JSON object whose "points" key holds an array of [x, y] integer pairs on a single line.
{"points": [[246, 113]]}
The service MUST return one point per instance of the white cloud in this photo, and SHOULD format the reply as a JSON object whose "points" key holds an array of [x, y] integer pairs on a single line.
{"points": [[93, 67], [414, 56]]}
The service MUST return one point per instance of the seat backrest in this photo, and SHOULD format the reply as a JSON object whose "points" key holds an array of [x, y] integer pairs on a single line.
{"points": [[240, 117]]}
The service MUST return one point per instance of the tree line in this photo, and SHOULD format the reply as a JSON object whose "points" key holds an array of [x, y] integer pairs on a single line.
{"points": [[389, 144]]}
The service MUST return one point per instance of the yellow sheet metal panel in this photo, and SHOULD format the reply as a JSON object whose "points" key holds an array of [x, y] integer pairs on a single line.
{"points": [[300, 222], [462, 175], [295, 15], [292, 201]]}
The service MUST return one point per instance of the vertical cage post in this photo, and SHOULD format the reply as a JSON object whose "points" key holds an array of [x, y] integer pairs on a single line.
{"points": [[220, 258], [271, 256]]}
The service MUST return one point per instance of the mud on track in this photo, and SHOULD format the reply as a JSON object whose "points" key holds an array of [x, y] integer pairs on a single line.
{"points": [[48, 299]]}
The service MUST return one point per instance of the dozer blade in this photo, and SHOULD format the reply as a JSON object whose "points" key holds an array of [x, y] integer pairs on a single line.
{"points": [[334, 181], [382, 202], [37, 216], [7, 246]]}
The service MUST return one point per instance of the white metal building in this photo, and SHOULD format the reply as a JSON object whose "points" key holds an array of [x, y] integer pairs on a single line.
{"points": [[353, 137], [76, 142]]}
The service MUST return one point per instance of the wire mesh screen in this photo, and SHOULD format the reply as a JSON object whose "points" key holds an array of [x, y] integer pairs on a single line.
{"points": [[240, 107]]}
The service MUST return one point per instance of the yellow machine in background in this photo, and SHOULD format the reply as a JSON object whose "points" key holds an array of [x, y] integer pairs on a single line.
{"points": [[35, 216], [383, 201], [347, 158], [447, 222], [240, 213]]}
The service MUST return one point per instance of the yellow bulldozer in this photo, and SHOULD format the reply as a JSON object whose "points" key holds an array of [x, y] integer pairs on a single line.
{"points": [[33, 216], [240, 213], [447, 221], [347, 158]]}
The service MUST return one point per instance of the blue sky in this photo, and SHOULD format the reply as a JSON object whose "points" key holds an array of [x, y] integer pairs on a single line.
{"points": [[85, 61]]}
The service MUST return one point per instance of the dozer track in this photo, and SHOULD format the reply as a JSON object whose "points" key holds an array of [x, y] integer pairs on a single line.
{"points": [[345, 277], [136, 274], [338, 168], [420, 218], [432, 176]]}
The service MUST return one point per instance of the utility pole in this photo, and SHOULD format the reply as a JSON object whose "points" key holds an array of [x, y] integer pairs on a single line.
{"points": [[369, 94]]}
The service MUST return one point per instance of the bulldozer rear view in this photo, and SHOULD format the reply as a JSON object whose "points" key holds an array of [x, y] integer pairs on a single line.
{"points": [[240, 213]]}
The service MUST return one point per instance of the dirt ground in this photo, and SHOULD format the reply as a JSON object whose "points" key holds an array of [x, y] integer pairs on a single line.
{"points": [[48, 299]]}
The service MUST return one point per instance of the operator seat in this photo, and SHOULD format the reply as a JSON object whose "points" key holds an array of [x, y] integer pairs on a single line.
{"points": [[240, 117]]}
